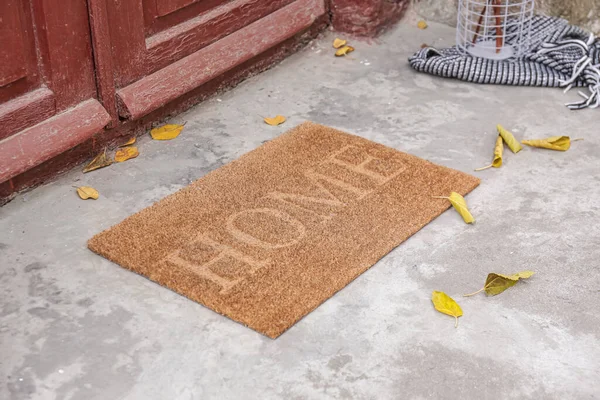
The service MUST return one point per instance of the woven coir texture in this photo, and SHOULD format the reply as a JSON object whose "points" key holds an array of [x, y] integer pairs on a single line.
{"points": [[267, 238]]}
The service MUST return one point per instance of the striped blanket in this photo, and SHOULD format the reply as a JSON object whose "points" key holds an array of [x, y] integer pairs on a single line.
{"points": [[561, 55]]}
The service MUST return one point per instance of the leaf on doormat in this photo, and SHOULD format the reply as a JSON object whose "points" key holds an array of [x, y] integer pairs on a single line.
{"points": [[126, 154], [446, 305], [342, 51], [337, 43], [460, 205], [512, 143], [129, 142], [87, 192], [100, 161], [277, 120], [422, 24], [559, 143], [166, 132], [498, 283], [498, 149]]}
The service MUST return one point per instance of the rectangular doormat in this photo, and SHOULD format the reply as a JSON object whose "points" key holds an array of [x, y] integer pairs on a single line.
{"points": [[270, 236]]}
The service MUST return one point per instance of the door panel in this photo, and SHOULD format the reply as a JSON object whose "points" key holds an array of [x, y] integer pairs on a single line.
{"points": [[164, 7], [143, 42], [71, 68], [163, 14], [182, 40], [56, 54], [12, 53], [19, 70]]}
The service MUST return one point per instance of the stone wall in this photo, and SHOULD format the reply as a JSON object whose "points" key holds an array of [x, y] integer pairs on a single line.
{"points": [[585, 13]]}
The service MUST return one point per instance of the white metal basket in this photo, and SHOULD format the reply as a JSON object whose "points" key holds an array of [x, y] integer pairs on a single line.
{"points": [[494, 29]]}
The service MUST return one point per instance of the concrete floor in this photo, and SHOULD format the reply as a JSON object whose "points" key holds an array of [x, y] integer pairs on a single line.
{"points": [[75, 326]]}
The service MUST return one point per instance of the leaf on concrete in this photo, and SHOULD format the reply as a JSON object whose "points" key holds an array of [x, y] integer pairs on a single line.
{"points": [[559, 143], [460, 205], [100, 161], [277, 120], [498, 150], [337, 43], [512, 143], [342, 51], [129, 142], [498, 283], [166, 132], [126, 154], [520, 275], [422, 24], [86, 192], [446, 305]]}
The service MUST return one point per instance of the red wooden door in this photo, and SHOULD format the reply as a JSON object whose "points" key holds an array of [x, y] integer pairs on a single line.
{"points": [[68, 68], [162, 49], [47, 85]]}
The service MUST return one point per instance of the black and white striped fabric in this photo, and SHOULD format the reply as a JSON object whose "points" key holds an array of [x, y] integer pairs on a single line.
{"points": [[561, 55]]}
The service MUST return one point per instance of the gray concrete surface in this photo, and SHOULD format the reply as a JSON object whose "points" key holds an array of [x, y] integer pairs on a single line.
{"points": [[75, 326], [584, 13]]}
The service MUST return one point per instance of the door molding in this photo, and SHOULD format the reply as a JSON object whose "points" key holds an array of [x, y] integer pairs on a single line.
{"points": [[183, 39], [26, 110], [105, 82], [51, 137]]}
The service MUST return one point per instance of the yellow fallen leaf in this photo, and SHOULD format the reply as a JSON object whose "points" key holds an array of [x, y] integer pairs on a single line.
{"points": [[337, 43], [166, 132], [498, 283], [86, 192], [129, 142], [277, 120], [344, 50], [126, 153], [560, 143], [498, 149], [512, 143], [520, 275], [422, 24], [100, 161], [446, 305], [460, 205]]}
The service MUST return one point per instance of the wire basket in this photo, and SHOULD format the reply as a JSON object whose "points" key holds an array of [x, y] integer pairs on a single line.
{"points": [[494, 29]]}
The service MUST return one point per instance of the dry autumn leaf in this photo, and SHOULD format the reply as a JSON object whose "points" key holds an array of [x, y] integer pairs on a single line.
{"points": [[86, 192], [498, 149], [126, 154], [129, 142], [100, 161], [344, 50], [512, 143], [422, 24], [446, 305], [337, 43], [166, 132], [521, 275], [559, 143], [498, 283], [277, 120], [460, 205]]}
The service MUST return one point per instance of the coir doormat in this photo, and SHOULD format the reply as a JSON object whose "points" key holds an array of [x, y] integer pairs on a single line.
{"points": [[268, 237]]}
